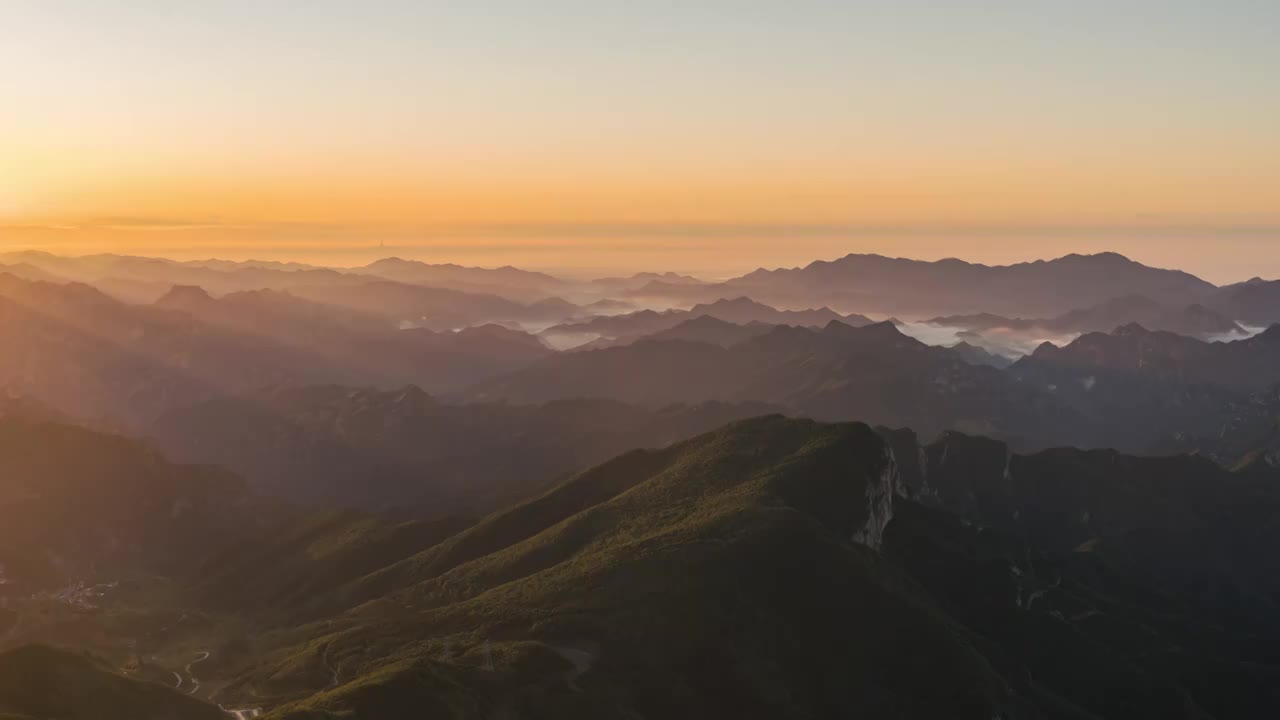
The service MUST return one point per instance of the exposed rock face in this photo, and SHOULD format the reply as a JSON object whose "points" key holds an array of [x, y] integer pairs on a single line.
{"points": [[1177, 518], [879, 494]]}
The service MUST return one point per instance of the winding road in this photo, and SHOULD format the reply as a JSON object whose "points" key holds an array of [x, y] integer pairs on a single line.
{"points": [[238, 714], [196, 683]]}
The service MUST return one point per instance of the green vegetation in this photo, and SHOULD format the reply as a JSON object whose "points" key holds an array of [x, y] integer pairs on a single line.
{"points": [[771, 568], [42, 682]]}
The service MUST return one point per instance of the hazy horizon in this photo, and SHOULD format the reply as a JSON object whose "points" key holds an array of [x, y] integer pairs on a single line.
{"points": [[493, 256], [708, 138]]}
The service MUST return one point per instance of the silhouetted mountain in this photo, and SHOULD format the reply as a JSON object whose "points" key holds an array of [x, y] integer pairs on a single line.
{"points": [[1159, 393], [43, 683], [96, 358], [464, 296], [272, 313], [614, 285], [508, 282], [838, 372], [710, 329], [744, 310], [975, 355], [1194, 320], [402, 450], [639, 323], [704, 328], [368, 346], [873, 283], [29, 272], [1242, 365], [740, 311], [93, 357], [142, 279], [1136, 391], [609, 307], [433, 308], [1255, 302], [680, 293]]}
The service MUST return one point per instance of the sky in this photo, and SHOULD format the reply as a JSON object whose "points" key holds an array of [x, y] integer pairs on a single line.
{"points": [[707, 135]]}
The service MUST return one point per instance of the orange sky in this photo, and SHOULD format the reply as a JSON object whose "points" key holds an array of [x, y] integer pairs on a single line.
{"points": [[715, 138]]}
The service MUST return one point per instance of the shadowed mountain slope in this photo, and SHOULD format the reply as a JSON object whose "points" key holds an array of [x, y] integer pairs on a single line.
{"points": [[1241, 365], [404, 450], [838, 372], [74, 502], [785, 568], [1193, 320], [42, 683], [1255, 302], [726, 622]]}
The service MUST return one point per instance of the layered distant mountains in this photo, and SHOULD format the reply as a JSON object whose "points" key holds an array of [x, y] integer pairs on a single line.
{"points": [[404, 450], [1044, 490], [95, 357], [1134, 389], [611, 330], [1193, 320], [867, 284], [838, 371], [877, 284]]}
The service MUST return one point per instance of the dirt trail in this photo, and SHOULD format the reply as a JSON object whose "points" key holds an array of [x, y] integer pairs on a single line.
{"points": [[196, 683], [581, 661]]}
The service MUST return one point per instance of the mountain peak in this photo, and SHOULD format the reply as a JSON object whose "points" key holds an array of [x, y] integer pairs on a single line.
{"points": [[1105, 257], [740, 303], [884, 328], [1271, 334], [1044, 349], [1132, 329], [184, 296]]}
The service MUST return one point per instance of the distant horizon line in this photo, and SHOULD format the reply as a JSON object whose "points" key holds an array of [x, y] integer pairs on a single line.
{"points": [[586, 273]]}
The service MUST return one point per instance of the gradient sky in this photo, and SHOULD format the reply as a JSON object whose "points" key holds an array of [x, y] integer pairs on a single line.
{"points": [[705, 135]]}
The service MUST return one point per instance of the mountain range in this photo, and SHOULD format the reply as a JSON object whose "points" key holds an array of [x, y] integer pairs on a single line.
{"points": [[403, 450], [412, 489], [610, 330], [867, 284], [94, 357], [776, 567], [1193, 320], [896, 286]]}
